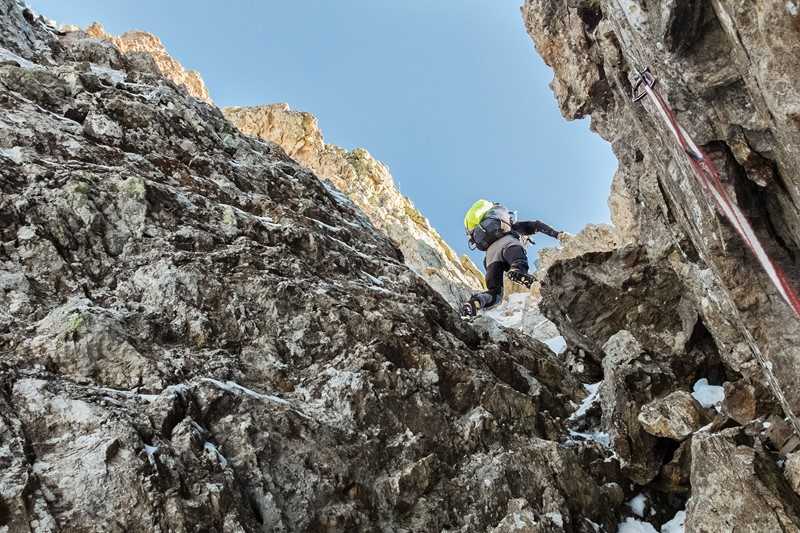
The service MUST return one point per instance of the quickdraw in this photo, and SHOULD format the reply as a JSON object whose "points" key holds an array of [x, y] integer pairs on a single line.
{"points": [[709, 179]]}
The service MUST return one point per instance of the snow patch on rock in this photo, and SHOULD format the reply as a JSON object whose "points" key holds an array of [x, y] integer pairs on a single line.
{"points": [[708, 395], [637, 504], [676, 525], [594, 394], [632, 525]]}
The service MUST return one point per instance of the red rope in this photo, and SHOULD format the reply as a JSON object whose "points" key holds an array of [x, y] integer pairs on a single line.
{"points": [[709, 178]]}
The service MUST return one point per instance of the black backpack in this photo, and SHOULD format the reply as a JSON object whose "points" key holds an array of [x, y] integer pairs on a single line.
{"points": [[487, 232]]}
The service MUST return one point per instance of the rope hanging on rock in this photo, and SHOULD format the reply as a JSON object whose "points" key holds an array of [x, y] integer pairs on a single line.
{"points": [[709, 179]]}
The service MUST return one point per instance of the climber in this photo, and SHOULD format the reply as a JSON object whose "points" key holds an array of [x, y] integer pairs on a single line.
{"points": [[493, 229]]}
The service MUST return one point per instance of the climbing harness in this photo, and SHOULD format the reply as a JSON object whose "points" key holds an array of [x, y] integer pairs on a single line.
{"points": [[709, 179]]}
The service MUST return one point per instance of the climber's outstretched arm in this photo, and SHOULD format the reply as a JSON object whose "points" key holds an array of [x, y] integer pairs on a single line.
{"points": [[529, 227]]}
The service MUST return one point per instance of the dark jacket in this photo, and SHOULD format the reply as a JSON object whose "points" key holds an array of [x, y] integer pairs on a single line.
{"points": [[507, 253]]}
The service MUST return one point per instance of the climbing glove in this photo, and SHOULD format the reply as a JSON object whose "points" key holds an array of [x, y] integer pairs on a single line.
{"points": [[520, 277]]}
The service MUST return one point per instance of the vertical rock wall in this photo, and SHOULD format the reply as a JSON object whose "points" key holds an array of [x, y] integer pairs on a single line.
{"points": [[686, 299], [199, 334], [730, 71]]}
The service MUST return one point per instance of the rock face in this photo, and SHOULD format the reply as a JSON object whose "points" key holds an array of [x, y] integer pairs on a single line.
{"points": [[684, 292], [758, 498], [632, 378], [365, 180], [595, 295], [198, 334], [732, 77], [592, 238], [371, 187], [675, 416]]}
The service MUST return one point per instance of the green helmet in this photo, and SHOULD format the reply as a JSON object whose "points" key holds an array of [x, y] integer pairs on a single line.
{"points": [[476, 214]]}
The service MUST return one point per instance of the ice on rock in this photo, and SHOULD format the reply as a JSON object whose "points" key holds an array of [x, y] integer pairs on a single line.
{"points": [[632, 525], [600, 437], [151, 452], [116, 76], [510, 313], [521, 311], [215, 454], [556, 518], [557, 344], [127, 394], [236, 389], [8, 55], [14, 154]]}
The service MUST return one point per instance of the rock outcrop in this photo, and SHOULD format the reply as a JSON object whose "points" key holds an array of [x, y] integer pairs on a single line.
{"points": [[676, 416], [758, 498], [146, 45], [592, 238], [684, 292], [733, 84], [595, 295], [371, 187]]}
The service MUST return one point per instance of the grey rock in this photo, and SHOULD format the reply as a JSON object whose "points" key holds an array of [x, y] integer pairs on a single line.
{"points": [[102, 129], [746, 401], [757, 498], [675, 416], [199, 334], [632, 378], [593, 296], [791, 469], [675, 476], [730, 71], [370, 185]]}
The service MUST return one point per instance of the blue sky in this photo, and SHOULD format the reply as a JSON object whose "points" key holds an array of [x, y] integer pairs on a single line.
{"points": [[450, 94]]}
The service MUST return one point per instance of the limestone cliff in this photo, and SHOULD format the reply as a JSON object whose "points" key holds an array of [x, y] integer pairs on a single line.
{"points": [[142, 42], [370, 185], [685, 299]]}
